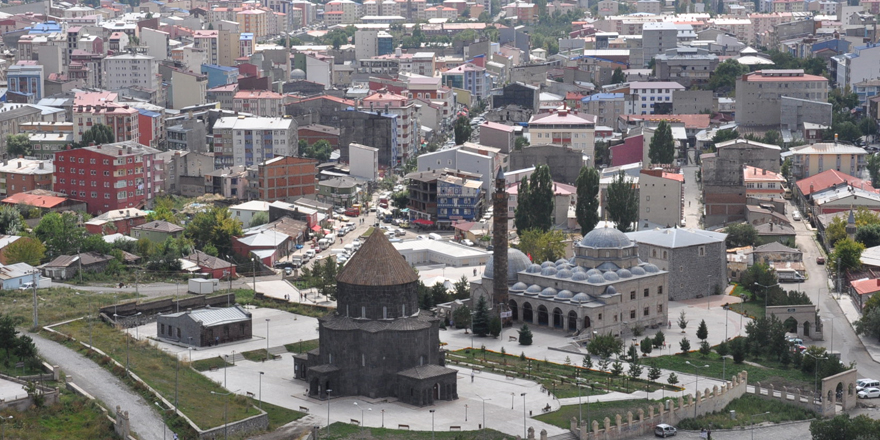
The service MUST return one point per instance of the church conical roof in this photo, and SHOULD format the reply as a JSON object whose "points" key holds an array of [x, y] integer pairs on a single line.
{"points": [[377, 263]]}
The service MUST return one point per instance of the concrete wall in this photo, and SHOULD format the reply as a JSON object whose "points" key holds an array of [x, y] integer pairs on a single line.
{"points": [[691, 102], [794, 112], [632, 425], [565, 163]]}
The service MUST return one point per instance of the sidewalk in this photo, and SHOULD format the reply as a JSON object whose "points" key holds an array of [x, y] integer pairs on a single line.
{"points": [[851, 312]]}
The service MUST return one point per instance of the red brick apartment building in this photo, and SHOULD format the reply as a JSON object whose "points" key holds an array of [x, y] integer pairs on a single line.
{"points": [[107, 177], [286, 178]]}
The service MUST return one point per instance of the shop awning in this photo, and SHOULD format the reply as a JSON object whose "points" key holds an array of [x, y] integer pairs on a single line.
{"points": [[423, 222], [316, 228]]}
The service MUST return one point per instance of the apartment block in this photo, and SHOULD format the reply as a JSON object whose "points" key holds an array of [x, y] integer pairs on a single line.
{"points": [[285, 178], [566, 128], [92, 108], [259, 103], [660, 199], [108, 176], [408, 128], [22, 175], [132, 70], [759, 94], [250, 141]]}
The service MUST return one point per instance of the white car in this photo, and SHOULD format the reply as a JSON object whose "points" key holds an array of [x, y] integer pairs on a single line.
{"points": [[420, 237], [796, 216], [467, 242], [869, 393]]}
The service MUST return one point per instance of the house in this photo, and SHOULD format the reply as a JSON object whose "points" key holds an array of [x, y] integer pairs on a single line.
{"points": [[157, 231], [14, 276], [119, 221], [768, 232], [809, 160], [265, 245], [65, 267], [339, 191], [776, 252], [245, 212], [45, 201], [206, 327], [297, 230], [212, 266], [805, 189], [863, 290]]}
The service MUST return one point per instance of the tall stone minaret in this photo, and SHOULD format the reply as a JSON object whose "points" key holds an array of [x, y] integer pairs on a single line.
{"points": [[851, 225], [499, 242]]}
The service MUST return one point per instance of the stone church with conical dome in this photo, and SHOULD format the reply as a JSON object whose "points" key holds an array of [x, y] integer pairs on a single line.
{"points": [[605, 287], [378, 343]]}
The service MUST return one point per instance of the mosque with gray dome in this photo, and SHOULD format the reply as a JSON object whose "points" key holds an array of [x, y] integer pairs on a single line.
{"points": [[604, 288]]}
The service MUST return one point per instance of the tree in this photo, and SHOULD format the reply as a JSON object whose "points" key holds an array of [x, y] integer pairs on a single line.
{"points": [[18, 145], [868, 126], [685, 346], [534, 208], [849, 252], [705, 348], [873, 167], [26, 351], [702, 330], [616, 368], [786, 168], [259, 218], [462, 130], [654, 372], [869, 324], [836, 230], [623, 202], [495, 326], [525, 335], [682, 321], [439, 294], [461, 289], [163, 209], [756, 277], [662, 147], [647, 345], [214, 226], [602, 154], [632, 353], [25, 250], [868, 235], [329, 271], [320, 151], [722, 349], [98, 134], [462, 317], [400, 199], [725, 75], [11, 222], [7, 335], [635, 370], [520, 143], [659, 339], [61, 233], [587, 208], [741, 234], [481, 318], [724, 136], [588, 362], [673, 379], [845, 427], [542, 246], [604, 345], [738, 350], [872, 303], [617, 77]]}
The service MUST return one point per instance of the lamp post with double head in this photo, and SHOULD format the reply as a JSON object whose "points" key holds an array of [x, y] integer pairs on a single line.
{"points": [[816, 368], [267, 339], [432, 424], [261, 389], [4, 419], [752, 424], [524, 414], [225, 411], [697, 382], [328, 410], [766, 294]]}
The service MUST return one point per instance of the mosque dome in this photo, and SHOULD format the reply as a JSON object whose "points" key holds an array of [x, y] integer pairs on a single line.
{"points": [[518, 287], [580, 298], [636, 270], [650, 268], [563, 295], [548, 293], [533, 290], [605, 238], [516, 262], [624, 273], [564, 273]]}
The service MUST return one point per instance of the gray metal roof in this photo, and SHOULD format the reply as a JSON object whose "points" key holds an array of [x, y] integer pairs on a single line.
{"points": [[212, 317], [676, 237], [605, 238]]}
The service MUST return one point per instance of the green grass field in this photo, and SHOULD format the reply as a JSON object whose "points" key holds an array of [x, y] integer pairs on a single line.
{"points": [[211, 363], [767, 372], [74, 417], [345, 431], [596, 410], [302, 347], [158, 369], [746, 407], [55, 305]]}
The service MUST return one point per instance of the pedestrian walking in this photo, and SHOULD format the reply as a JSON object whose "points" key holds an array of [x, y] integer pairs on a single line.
{"points": [[472, 376]]}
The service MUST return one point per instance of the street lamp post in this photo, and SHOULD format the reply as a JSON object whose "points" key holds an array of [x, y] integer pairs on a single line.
{"points": [[4, 425], [383, 418], [511, 400], [254, 262], [432, 424], [225, 411], [524, 414], [465, 412], [261, 389], [752, 424], [697, 382], [267, 339], [816, 368], [484, 410], [831, 319], [225, 365], [36, 314], [164, 426], [328, 410], [767, 294], [362, 412]]}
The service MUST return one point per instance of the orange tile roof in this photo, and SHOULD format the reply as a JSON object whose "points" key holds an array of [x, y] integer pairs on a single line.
{"points": [[866, 286], [828, 179], [38, 201]]}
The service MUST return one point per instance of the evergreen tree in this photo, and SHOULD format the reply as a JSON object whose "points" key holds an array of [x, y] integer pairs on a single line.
{"points": [[587, 209], [18, 145], [632, 353], [495, 326], [654, 372], [705, 348], [616, 368], [635, 370], [647, 345], [481, 318], [521, 219], [662, 148], [98, 134], [673, 379], [588, 362], [462, 130], [525, 335], [685, 346], [682, 321], [623, 203], [702, 330], [659, 339], [618, 77]]}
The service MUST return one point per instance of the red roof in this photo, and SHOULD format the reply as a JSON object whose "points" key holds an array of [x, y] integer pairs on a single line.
{"points": [[866, 286], [831, 178], [34, 200]]}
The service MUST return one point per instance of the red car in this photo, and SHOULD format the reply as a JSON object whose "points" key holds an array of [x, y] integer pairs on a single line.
{"points": [[820, 260]]}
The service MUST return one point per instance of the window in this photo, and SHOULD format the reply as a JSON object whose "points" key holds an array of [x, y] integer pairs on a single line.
{"points": [[632, 295], [659, 290], [600, 317], [701, 251], [647, 292], [647, 311], [664, 255], [632, 314], [659, 308]]}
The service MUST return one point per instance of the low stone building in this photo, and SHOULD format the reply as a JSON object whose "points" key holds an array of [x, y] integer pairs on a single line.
{"points": [[205, 327], [696, 259], [776, 252]]}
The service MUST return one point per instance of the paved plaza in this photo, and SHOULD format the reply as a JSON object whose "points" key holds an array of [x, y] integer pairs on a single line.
{"points": [[492, 396]]}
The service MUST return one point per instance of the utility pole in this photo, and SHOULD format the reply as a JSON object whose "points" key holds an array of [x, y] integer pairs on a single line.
{"points": [[36, 314]]}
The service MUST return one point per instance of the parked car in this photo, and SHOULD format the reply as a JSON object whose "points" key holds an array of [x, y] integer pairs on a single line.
{"points": [[26, 286], [869, 393], [820, 260], [863, 384], [664, 430], [796, 216]]}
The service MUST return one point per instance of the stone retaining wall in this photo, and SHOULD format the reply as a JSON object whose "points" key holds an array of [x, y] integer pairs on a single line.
{"points": [[629, 425]]}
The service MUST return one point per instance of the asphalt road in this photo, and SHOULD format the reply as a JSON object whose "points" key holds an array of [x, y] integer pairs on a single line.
{"points": [[104, 386], [791, 431]]}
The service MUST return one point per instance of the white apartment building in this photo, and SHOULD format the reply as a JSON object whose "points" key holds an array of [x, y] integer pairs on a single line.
{"points": [[342, 12], [250, 141], [208, 41], [645, 95], [127, 70], [566, 128], [408, 127], [857, 66]]}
